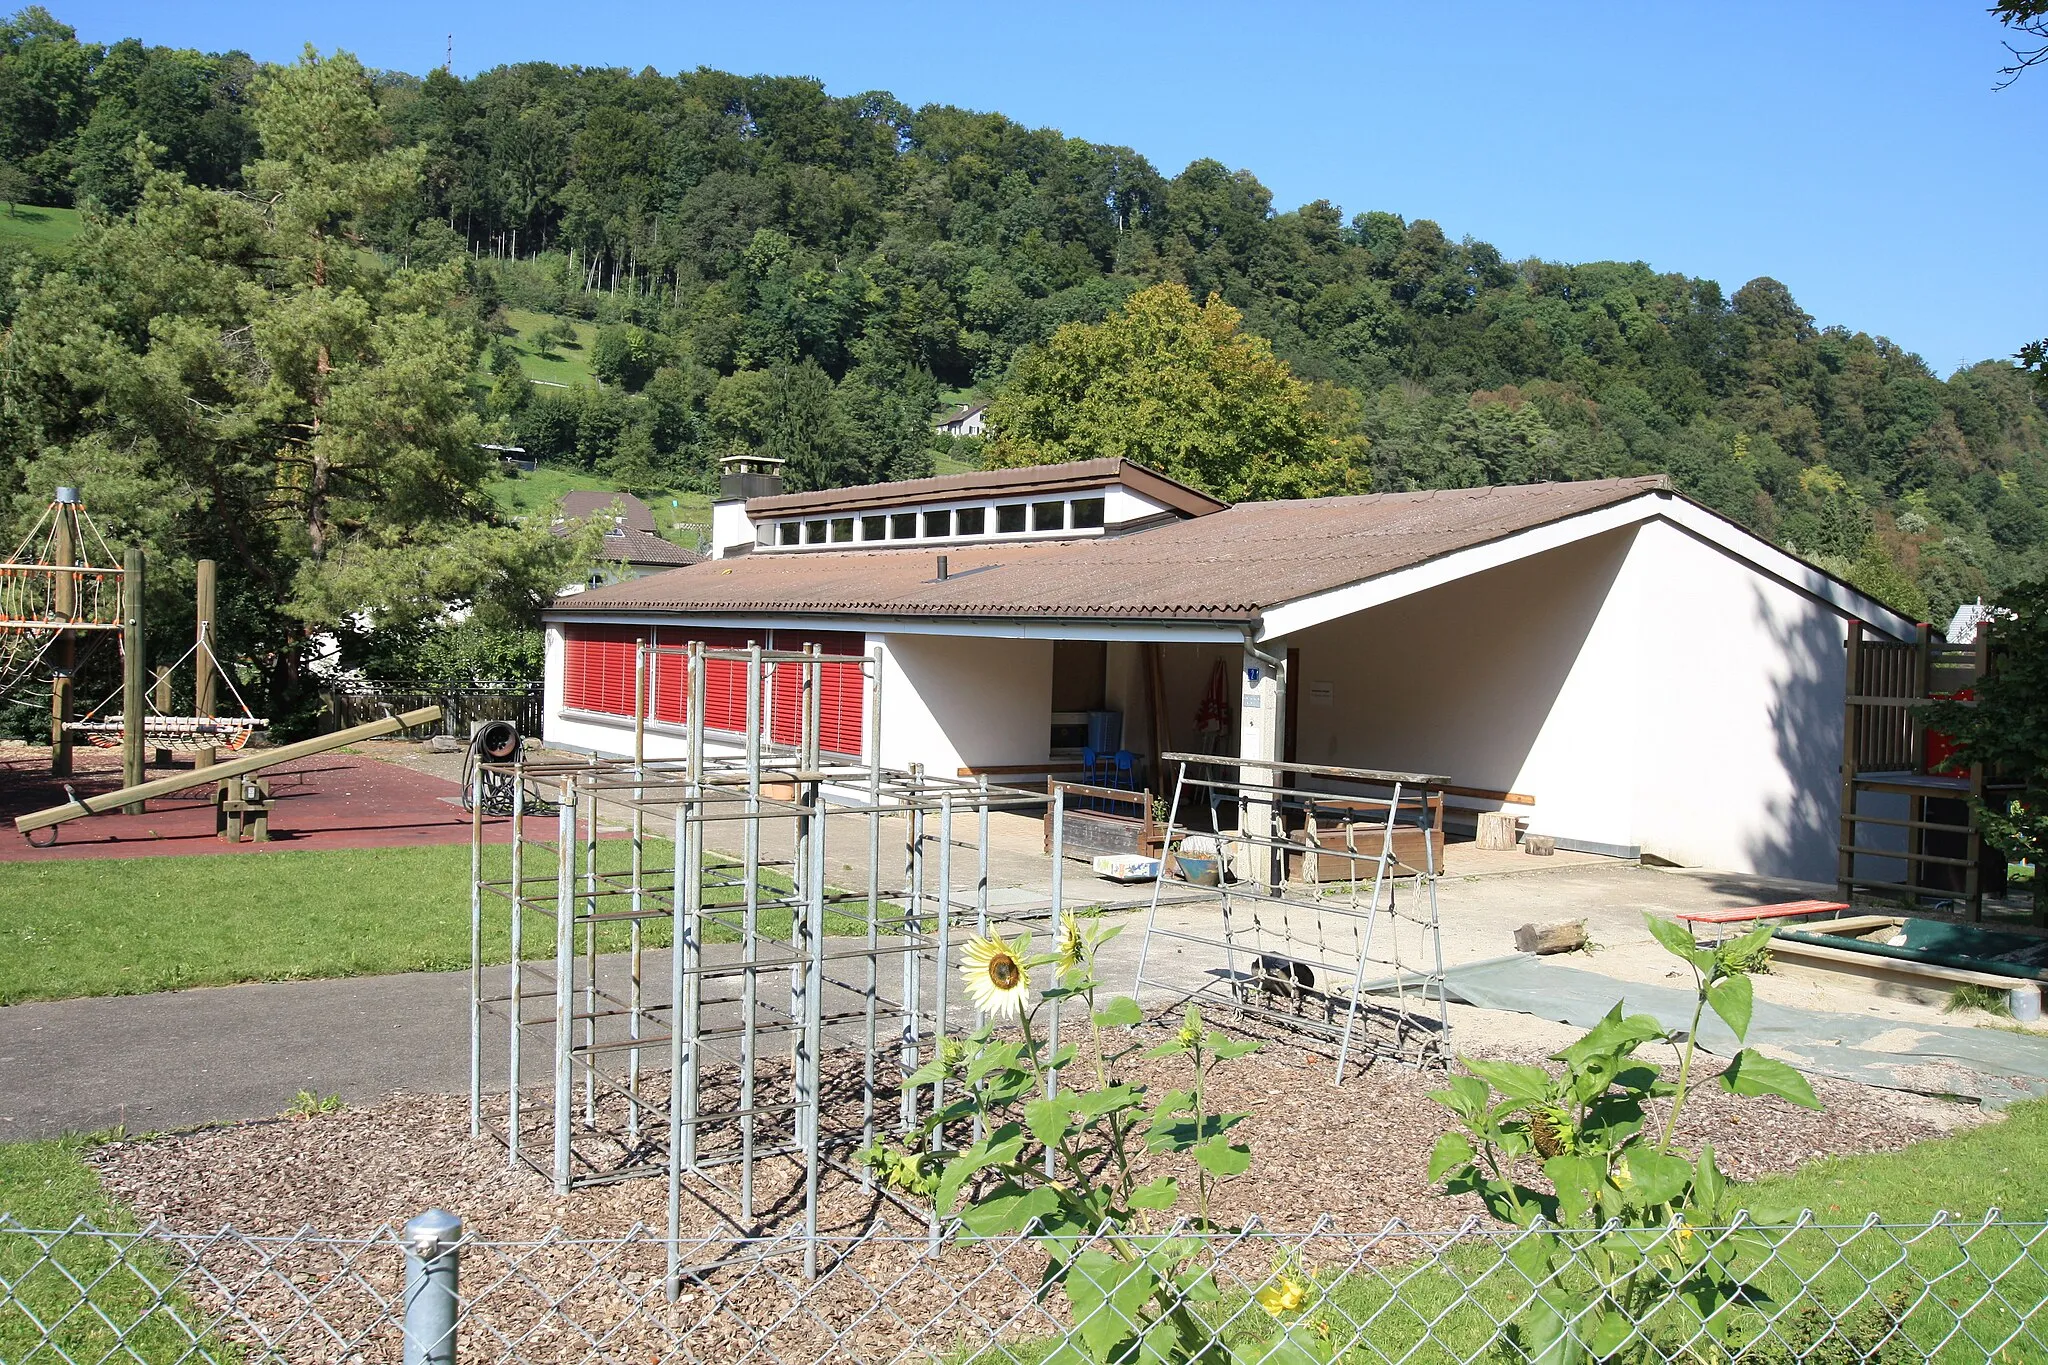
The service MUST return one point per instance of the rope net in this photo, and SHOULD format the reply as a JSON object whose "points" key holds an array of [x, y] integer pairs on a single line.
{"points": [[40, 598], [180, 734]]}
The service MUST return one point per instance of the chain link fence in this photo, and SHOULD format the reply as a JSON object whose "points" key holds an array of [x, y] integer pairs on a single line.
{"points": [[1947, 1290]]}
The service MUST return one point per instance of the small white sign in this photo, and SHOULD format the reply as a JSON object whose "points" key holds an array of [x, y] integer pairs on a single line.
{"points": [[1253, 702], [1321, 693]]}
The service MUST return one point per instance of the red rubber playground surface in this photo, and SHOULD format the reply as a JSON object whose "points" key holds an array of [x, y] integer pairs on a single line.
{"points": [[332, 800]]}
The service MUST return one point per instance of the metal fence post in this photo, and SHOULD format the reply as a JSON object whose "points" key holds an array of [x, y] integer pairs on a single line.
{"points": [[432, 1287]]}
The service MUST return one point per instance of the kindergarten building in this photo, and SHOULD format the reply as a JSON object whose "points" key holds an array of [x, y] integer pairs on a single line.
{"points": [[1632, 672]]}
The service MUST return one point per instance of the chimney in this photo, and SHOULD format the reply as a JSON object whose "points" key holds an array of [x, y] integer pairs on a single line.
{"points": [[942, 568], [741, 478]]}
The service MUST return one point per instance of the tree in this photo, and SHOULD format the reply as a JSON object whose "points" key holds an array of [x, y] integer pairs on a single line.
{"points": [[2006, 727], [2029, 17], [233, 375], [1176, 387], [15, 187]]}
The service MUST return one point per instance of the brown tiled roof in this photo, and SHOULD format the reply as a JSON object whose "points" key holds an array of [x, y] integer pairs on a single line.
{"points": [[644, 547], [1232, 565], [994, 483], [597, 502]]}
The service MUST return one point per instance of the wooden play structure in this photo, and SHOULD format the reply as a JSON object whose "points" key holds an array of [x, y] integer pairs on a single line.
{"points": [[62, 597], [1905, 803]]}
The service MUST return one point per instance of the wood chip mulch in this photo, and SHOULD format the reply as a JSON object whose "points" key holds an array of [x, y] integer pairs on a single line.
{"points": [[1355, 1154]]}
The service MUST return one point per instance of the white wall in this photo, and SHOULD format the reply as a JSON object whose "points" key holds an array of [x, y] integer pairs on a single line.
{"points": [[1648, 690], [950, 702], [730, 528], [1740, 744], [1519, 679]]}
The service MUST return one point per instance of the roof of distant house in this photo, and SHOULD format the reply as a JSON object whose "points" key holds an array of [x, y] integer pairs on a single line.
{"points": [[1971, 617], [596, 501], [629, 531], [962, 413], [1231, 565]]}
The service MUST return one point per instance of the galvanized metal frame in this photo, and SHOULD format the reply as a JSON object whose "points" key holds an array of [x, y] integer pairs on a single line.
{"points": [[1287, 949], [592, 1008]]}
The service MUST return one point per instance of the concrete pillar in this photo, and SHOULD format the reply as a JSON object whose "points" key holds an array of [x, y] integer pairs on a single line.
{"points": [[1261, 719]]}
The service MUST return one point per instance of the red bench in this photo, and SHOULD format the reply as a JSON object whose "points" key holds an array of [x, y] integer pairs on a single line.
{"points": [[1748, 914]]}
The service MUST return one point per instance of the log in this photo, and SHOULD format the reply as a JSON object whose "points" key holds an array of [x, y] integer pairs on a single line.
{"points": [[1496, 830], [1541, 845], [1558, 936]]}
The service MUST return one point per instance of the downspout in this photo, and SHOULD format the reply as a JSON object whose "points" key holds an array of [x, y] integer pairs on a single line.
{"points": [[1277, 727]]}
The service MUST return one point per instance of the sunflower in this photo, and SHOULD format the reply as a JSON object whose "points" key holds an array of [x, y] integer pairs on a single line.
{"points": [[1284, 1295], [1072, 950], [997, 981]]}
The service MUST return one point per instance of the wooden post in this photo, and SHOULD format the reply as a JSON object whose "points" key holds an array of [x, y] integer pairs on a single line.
{"points": [[131, 674], [1916, 805], [202, 659], [1155, 694], [66, 603], [163, 708], [1973, 842], [1845, 869]]}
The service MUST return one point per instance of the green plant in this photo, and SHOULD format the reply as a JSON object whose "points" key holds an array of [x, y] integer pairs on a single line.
{"points": [[1613, 1252], [1063, 1164], [1969, 996], [306, 1105]]}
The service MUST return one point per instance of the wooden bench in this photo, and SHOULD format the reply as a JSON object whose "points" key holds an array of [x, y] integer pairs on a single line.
{"points": [[1105, 820]]}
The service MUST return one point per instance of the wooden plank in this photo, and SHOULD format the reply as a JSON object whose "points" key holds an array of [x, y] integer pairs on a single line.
{"points": [[1847, 961], [1780, 910], [1484, 794]]}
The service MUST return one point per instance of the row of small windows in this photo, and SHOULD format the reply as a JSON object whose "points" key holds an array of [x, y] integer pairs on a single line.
{"points": [[1011, 519]]}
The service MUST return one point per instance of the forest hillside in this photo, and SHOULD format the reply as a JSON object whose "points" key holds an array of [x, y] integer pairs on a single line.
{"points": [[636, 272]]}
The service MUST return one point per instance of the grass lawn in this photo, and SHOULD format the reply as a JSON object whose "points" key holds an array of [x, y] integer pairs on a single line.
{"points": [[569, 363], [132, 925], [46, 1185], [529, 494], [39, 226]]}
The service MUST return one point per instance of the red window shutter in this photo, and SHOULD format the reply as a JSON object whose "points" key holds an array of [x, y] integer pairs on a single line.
{"points": [[725, 680], [598, 664], [671, 678], [842, 692]]}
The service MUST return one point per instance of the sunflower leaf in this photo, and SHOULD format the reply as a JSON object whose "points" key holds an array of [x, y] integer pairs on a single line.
{"points": [[1048, 1120], [1122, 1012]]}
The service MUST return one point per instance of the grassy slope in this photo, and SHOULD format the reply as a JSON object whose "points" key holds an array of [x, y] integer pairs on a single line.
{"points": [[132, 925], [570, 363], [533, 493], [39, 226]]}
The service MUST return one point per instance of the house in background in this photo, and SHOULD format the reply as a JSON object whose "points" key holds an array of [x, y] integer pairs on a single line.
{"points": [[1634, 672], [632, 547], [965, 420]]}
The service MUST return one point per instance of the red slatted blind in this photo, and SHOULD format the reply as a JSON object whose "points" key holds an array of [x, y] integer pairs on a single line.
{"points": [[597, 667], [842, 695], [725, 680]]}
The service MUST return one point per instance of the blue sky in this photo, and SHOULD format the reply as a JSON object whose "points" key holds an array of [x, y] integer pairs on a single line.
{"points": [[1856, 152]]}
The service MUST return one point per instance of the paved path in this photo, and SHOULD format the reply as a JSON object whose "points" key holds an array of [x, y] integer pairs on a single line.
{"points": [[235, 1052]]}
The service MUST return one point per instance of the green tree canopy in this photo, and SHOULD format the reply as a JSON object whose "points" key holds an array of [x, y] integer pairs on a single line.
{"points": [[1180, 388], [234, 376]]}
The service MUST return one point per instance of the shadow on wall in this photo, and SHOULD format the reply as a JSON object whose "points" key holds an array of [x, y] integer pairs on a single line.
{"points": [[1796, 834], [1463, 679]]}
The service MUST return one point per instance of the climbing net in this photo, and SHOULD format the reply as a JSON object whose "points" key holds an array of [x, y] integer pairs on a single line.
{"points": [[41, 599], [182, 734]]}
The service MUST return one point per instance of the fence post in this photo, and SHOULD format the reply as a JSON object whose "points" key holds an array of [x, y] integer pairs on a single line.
{"points": [[432, 1287]]}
